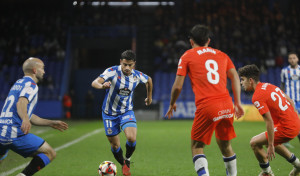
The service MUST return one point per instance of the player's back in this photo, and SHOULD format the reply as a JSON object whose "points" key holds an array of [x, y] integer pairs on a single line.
{"points": [[207, 68], [268, 97], [10, 121]]}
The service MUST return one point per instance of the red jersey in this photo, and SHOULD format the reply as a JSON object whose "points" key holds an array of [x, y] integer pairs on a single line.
{"points": [[269, 98], [207, 68]]}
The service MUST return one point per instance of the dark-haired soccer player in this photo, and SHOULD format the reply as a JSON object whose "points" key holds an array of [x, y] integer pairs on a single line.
{"points": [[117, 110], [17, 116], [208, 69], [281, 120]]}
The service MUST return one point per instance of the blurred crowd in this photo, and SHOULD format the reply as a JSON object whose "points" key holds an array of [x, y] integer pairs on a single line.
{"points": [[249, 31]]}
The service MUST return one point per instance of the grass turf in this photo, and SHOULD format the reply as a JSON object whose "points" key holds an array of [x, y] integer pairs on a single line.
{"points": [[163, 148]]}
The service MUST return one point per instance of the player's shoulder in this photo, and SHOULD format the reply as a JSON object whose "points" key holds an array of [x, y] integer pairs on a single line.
{"points": [[113, 68], [137, 72], [262, 89], [27, 81]]}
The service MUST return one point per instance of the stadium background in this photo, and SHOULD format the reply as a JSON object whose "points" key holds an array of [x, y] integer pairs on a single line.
{"points": [[77, 40]]}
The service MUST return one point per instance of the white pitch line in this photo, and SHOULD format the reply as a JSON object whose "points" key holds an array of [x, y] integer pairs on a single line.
{"points": [[56, 149]]}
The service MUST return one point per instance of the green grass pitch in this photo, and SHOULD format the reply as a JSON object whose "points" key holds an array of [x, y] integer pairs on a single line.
{"points": [[163, 148]]}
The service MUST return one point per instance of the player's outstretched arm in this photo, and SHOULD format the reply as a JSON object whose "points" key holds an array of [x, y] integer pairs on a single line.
{"points": [[56, 124], [149, 87], [22, 112], [236, 88], [176, 89], [270, 130], [99, 83]]}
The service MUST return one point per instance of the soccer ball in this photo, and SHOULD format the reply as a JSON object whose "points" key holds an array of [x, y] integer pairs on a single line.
{"points": [[107, 168]]}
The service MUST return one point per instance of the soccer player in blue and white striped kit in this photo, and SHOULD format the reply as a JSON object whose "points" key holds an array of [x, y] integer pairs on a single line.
{"points": [[17, 116], [290, 81], [117, 110]]}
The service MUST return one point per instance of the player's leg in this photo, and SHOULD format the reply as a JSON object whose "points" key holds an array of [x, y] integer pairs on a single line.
{"points": [[229, 157], [224, 134], [116, 148], [128, 124], [201, 133], [199, 158], [257, 143], [44, 155], [290, 157], [112, 130], [31, 145]]}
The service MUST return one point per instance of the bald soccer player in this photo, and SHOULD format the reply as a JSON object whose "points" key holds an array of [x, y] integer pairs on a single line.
{"points": [[17, 117]]}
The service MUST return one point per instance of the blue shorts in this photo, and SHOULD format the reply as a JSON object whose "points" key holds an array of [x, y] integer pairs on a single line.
{"points": [[297, 106], [113, 124], [25, 145]]}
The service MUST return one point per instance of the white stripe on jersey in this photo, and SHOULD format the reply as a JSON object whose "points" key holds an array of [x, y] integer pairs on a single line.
{"points": [[117, 98], [14, 132], [32, 104], [108, 73], [34, 93], [24, 91], [111, 90]]}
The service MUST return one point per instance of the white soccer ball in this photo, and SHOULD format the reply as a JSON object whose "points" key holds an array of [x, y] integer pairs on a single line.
{"points": [[107, 168]]}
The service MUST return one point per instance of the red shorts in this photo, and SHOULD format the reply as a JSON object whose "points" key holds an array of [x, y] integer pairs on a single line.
{"points": [[280, 135], [218, 117]]}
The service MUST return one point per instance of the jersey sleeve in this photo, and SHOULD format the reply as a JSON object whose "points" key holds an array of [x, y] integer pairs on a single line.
{"points": [[182, 65], [230, 64], [108, 74], [29, 90], [143, 77], [260, 105]]}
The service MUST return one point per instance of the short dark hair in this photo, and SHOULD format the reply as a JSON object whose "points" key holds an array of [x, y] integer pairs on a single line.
{"points": [[250, 71], [128, 55], [292, 52], [200, 34]]}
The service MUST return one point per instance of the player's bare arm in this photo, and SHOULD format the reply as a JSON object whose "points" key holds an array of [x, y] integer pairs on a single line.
{"points": [[270, 129], [149, 87], [22, 112], [56, 124], [291, 102], [176, 89], [99, 83], [236, 88]]}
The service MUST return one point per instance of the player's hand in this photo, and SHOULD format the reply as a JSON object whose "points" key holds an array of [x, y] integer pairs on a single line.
{"points": [[148, 101], [239, 111], [59, 125], [271, 152], [169, 113], [106, 85], [26, 125]]}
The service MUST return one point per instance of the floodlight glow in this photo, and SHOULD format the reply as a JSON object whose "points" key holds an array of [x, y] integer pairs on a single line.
{"points": [[119, 3]]}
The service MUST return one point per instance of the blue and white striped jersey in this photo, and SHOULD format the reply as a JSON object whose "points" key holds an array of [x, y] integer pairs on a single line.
{"points": [[10, 122], [118, 98], [291, 78]]}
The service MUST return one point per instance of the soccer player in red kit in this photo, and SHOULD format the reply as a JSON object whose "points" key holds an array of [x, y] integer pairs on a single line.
{"points": [[208, 69], [280, 116]]}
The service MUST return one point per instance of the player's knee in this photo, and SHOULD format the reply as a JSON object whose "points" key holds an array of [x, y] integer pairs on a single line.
{"points": [[253, 143], [131, 138], [51, 153], [115, 146]]}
